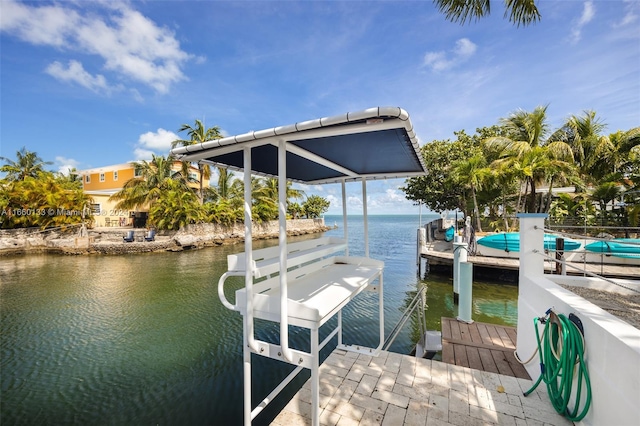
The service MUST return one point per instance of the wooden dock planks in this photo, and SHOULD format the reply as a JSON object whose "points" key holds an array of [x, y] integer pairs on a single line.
{"points": [[481, 346]]}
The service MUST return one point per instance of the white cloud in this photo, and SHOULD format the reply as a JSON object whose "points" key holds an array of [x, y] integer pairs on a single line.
{"points": [[47, 25], [465, 48], [441, 61], [355, 202], [76, 73], [131, 45], [335, 202], [159, 141], [66, 164], [588, 13], [632, 8], [142, 154]]}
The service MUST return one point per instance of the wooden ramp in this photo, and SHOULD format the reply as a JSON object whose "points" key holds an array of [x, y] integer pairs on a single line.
{"points": [[486, 347]]}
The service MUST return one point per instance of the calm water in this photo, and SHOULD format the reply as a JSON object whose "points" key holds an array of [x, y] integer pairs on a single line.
{"points": [[143, 339]]}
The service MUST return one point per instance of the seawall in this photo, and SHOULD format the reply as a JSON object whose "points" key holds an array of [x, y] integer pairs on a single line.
{"points": [[110, 240]]}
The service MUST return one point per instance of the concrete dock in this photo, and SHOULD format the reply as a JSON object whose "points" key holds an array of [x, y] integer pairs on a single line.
{"points": [[394, 389]]}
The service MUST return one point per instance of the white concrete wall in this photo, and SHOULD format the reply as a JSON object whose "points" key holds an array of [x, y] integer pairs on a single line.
{"points": [[613, 346]]}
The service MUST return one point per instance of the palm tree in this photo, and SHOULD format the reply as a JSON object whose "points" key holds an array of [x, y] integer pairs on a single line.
{"points": [[622, 153], [143, 190], [606, 192], [175, 207], [504, 176], [265, 205], [472, 173], [528, 141], [520, 12], [589, 147], [228, 185], [27, 164], [271, 190], [198, 134], [45, 200]]}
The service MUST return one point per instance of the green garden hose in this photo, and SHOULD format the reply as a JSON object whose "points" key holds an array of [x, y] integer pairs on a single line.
{"points": [[562, 351]]}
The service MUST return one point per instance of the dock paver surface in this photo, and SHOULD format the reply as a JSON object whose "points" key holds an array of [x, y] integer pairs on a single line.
{"points": [[394, 389]]}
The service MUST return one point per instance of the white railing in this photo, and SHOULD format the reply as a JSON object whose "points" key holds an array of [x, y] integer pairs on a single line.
{"points": [[612, 345]]}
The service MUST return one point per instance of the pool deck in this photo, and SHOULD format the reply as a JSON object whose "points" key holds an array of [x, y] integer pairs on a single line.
{"points": [[394, 389]]}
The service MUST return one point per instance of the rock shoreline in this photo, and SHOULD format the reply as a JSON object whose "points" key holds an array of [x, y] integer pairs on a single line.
{"points": [[109, 241]]}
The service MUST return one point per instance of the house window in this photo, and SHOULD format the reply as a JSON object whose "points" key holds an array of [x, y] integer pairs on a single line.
{"points": [[95, 209], [137, 172], [101, 177], [115, 175], [87, 179]]}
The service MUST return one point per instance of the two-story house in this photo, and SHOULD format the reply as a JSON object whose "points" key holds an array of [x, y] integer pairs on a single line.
{"points": [[102, 182]]}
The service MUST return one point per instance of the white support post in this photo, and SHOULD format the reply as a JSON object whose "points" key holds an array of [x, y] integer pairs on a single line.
{"points": [[315, 378], [531, 243], [282, 219], [366, 219], [340, 327], [460, 252], [248, 341], [345, 228], [465, 281], [381, 312]]}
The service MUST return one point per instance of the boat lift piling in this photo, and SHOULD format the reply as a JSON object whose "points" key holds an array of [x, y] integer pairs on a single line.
{"points": [[466, 289], [460, 254]]}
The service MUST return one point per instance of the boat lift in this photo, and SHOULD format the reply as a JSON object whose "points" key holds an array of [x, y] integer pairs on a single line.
{"points": [[306, 284]]}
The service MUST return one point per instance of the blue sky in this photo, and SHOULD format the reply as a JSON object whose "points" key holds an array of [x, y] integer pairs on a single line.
{"points": [[93, 83]]}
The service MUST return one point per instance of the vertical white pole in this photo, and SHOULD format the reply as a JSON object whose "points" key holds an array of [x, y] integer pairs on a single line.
{"points": [[460, 251], [345, 229], [366, 219], [340, 327], [248, 317], [315, 378], [466, 288], [381, 313], [531, 244], [282, 219]]}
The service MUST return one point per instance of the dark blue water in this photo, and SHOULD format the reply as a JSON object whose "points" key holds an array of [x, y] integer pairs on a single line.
{"points": [[143, 339]]}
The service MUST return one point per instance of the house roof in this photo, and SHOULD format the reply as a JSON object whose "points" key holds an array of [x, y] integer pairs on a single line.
{"points": [[376, 143]]}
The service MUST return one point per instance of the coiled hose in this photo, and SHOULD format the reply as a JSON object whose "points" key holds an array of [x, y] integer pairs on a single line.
{"points": [[562, 354]]}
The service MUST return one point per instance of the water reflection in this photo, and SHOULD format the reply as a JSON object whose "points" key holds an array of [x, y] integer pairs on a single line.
{"points": [[143, 339]]}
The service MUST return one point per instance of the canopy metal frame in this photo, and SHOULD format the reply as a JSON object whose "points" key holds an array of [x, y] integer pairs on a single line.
{"points": [[310, 152]]}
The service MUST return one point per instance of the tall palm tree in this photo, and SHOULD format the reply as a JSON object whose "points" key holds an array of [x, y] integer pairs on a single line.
{"points": [[528, 140], [621, 154], [271, 185], [265, 205], [520, 12], [175, 207], [472, 173], [504, 175], [228, 185], [589, 146], [198, 134], [143, 190], [27, 164]]}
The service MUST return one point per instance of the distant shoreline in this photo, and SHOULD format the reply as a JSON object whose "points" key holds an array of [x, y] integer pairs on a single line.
{"points": [[109, 241]]}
